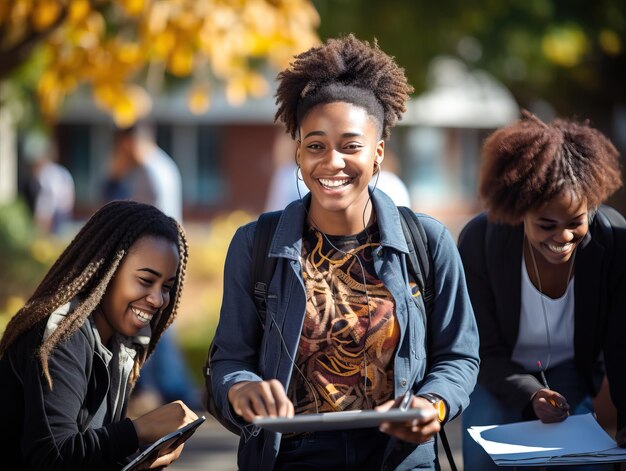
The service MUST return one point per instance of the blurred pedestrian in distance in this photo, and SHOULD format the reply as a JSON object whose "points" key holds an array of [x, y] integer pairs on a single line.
{"points": [[51, 190], [141, 171], [547, 279], [70, 357]]}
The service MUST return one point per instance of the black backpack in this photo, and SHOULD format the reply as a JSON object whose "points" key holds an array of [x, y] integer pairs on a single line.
{"points": [[263, 269]]}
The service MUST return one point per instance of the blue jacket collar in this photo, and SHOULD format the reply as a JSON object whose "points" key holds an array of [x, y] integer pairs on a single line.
{"points": [[287, 241]]}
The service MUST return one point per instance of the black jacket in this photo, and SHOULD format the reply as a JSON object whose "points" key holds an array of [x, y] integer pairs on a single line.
{"points": [[492, 257], [49, 429]]}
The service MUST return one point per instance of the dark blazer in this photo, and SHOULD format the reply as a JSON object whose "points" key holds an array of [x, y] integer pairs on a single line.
{"points": [[49, 429], [492, 257]]}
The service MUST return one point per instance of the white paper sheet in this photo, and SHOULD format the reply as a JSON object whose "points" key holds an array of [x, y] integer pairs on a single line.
{"points": [[579, 439]]}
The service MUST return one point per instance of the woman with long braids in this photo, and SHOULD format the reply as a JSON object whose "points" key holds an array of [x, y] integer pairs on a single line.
{"points": [[345, 328], [71, 355], [546, 274]]}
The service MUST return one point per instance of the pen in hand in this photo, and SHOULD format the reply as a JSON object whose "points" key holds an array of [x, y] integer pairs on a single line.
{"points": [[406, 400], [543, 376], [545, 383]]}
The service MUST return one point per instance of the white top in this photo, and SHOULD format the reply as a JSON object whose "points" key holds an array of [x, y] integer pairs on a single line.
{"points": [[532, 341]]}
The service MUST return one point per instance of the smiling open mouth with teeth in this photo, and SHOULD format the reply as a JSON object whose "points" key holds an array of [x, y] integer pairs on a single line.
{"points": [[559, 248], [331, 184], [142, 315]]}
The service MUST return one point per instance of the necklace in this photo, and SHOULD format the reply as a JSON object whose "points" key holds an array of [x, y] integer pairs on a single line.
{"points": [[541, 295]]}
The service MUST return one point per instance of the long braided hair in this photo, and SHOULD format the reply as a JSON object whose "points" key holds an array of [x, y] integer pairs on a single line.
{"points": [[84, 270]]}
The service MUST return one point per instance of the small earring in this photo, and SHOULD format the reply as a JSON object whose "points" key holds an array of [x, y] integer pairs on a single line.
{"points": [[376, 167]]}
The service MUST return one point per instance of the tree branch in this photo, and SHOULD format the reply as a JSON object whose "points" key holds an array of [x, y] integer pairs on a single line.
{"points": [[17, 54]]}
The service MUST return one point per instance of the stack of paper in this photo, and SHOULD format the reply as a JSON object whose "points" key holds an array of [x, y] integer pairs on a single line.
{"points": [[579, 439]]}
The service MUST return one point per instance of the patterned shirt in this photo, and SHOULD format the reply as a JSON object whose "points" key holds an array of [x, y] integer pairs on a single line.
{"points": [[350, 330]]}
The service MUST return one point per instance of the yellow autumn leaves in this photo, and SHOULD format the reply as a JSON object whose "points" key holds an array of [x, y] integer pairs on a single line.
{"points": [[123, 48], [567, 45]]}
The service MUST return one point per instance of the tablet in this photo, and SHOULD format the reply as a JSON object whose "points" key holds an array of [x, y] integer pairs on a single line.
{"points": [[338, 420], [165, 444]]}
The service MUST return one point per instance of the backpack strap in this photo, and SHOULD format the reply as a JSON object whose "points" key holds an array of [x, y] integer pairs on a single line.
{"points": [[262, 271], [419, 255], [263, 266], [420, 265]]}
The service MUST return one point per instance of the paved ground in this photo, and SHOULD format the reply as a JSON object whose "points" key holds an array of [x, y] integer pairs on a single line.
{"points": [[213, 448]]}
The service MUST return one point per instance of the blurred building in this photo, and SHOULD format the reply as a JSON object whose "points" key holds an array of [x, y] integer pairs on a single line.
{"points": [[443, 130], [226, 155]]}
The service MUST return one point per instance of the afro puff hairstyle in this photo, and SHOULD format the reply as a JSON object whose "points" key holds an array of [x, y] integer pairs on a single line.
{"points": [[530, 162], [363, 71]]}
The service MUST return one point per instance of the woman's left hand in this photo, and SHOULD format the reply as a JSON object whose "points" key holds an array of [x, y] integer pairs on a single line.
{"points": [[416, 430], [165, 460]]}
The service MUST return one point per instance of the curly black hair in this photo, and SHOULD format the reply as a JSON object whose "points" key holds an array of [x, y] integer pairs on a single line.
{"points": [[530, 162], [343, 69]]}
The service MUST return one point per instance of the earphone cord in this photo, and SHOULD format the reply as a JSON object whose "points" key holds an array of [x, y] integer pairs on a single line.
{"points": [[295, 365], [543, 305], [367, 298]]}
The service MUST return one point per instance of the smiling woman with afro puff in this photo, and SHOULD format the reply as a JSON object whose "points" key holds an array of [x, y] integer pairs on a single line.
{"points": [[344, 326], [546, 274]]}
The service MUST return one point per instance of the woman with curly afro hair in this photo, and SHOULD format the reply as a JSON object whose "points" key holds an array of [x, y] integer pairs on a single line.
{"points": [[545, 271], [70, 357], [344, 327]]}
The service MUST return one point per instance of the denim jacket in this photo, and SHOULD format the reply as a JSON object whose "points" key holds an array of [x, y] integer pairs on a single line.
{"points": [[446, 365]]}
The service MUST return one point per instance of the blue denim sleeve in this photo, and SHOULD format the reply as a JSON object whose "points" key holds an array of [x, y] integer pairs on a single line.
{"points": [[452, 333], [239, 332]]}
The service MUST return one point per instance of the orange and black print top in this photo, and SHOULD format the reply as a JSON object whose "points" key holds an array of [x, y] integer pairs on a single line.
{"points": [[350, 332]]}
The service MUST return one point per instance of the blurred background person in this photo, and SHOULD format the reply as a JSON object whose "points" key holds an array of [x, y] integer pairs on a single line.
{"points": [[50, 190], [141, 171]]}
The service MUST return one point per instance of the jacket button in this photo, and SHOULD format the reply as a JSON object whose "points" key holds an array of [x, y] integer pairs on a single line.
{"points": [[403, 382]]}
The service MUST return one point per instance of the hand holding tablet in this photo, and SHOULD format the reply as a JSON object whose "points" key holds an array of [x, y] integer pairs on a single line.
{"points": [[165, 444], [339, 420]]}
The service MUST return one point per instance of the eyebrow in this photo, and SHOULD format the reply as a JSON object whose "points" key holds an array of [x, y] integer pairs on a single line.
{"points": [[322, 133], [155, 273], [553, 220]]}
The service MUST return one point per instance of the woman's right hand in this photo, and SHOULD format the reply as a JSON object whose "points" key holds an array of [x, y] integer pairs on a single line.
{"points": [[550, 406], [163, 461], [251, 399], [163, 420]]}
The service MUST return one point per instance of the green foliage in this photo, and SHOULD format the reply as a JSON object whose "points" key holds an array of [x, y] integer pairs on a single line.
{"points": [[570, 53], [16, 229], [21, 271]]}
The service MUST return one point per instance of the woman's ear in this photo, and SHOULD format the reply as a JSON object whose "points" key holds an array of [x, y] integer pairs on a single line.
{"points": [[297, 156], [380, 156]]}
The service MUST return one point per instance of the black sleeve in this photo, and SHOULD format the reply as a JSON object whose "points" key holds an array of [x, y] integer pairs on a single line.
{"points": [[51, 437], [498, 374], [615, 338]]}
